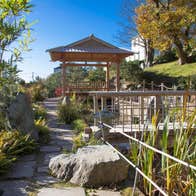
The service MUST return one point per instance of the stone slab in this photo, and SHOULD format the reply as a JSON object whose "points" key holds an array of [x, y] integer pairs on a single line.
{"points": [[50, 149], [45, 179], [21, 170], [14, 187], [69, 191], [30, 157], [43, 169]]}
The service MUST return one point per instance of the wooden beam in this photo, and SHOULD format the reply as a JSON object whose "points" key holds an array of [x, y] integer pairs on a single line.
{"points": [[84, 64]]}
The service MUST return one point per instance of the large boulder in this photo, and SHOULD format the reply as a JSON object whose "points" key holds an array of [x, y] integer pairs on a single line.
{"points": [[91, 166], [20, 115]]}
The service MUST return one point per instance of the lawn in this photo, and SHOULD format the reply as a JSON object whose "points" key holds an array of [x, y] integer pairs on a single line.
{"points": [[172, 69]]}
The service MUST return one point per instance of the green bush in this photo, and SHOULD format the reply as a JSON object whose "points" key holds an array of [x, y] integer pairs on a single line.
{"points": [[43, 131], [67, 113], [39, 112], [38, 92], [79, 125], [78, 141]]}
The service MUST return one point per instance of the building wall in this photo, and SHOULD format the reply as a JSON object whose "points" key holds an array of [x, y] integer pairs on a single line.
{"points": [[138, 49]]}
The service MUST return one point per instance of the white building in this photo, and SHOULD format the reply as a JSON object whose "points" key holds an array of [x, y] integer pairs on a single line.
{"points": [[137, 46]]}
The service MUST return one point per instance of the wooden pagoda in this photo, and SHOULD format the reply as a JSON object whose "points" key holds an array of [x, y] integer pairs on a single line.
{"points": [[90, 51]]}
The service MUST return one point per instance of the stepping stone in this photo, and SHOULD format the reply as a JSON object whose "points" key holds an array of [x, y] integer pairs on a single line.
{"points": [[28, 158], [43, 169], [69, 191], [14, 187], [50, 149], [21, 170], [45, 179]]}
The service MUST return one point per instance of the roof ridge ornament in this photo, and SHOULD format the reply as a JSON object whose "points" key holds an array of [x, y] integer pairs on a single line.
{"points": [[91, 35]]}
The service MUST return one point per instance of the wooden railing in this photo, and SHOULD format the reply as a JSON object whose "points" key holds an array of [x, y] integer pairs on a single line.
{"points": [[88, 85]]}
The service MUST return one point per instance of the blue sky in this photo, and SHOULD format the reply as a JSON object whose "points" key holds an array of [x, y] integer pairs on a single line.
{"points": [[64, 21]]}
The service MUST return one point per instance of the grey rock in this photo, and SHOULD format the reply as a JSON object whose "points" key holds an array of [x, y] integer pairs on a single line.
{"points": [[91, 166], [69, 191], [20, 115], [14, 187]]}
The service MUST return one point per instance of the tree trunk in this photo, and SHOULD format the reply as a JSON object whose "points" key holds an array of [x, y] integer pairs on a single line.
{"points": [[149, 53], [181, 53]]}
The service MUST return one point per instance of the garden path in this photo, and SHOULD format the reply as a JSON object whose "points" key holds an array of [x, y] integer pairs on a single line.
{"points": [[30, 173]]}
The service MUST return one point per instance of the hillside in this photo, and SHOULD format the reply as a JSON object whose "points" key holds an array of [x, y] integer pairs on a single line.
{"points": [[172, 69]]}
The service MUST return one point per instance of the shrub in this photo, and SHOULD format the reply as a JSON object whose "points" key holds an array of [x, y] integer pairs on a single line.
{"points": [[79, 125], [43, 131], [39, 112], [131, 71], [67, 113], [38, 92], [78, 142], [15, 143]]}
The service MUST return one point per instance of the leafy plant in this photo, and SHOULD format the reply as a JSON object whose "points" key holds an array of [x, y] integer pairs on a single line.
{"points": [[43, 131], [79, 125], [39, 112], [173, 177], [13, 144]]}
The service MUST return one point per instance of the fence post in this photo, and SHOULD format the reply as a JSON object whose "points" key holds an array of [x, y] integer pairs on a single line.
{"points": [[152, 85], [162, 86], [143, 85]]}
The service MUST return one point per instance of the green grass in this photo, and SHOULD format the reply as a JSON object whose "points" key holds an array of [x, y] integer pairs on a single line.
{"points": [[173, 69]]}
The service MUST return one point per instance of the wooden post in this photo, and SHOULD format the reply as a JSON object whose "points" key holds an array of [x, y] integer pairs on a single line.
{"points": [[63, 79], [107, 77], [118, 76]]}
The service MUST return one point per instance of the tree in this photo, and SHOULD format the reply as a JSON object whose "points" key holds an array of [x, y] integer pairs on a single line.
{"points": [[52, 82], [131, 71], [14, 38], [129, 31], [168, 23]]}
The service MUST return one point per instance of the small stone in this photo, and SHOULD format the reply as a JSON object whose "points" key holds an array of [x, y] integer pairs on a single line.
{"points": [[69, 191]]}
